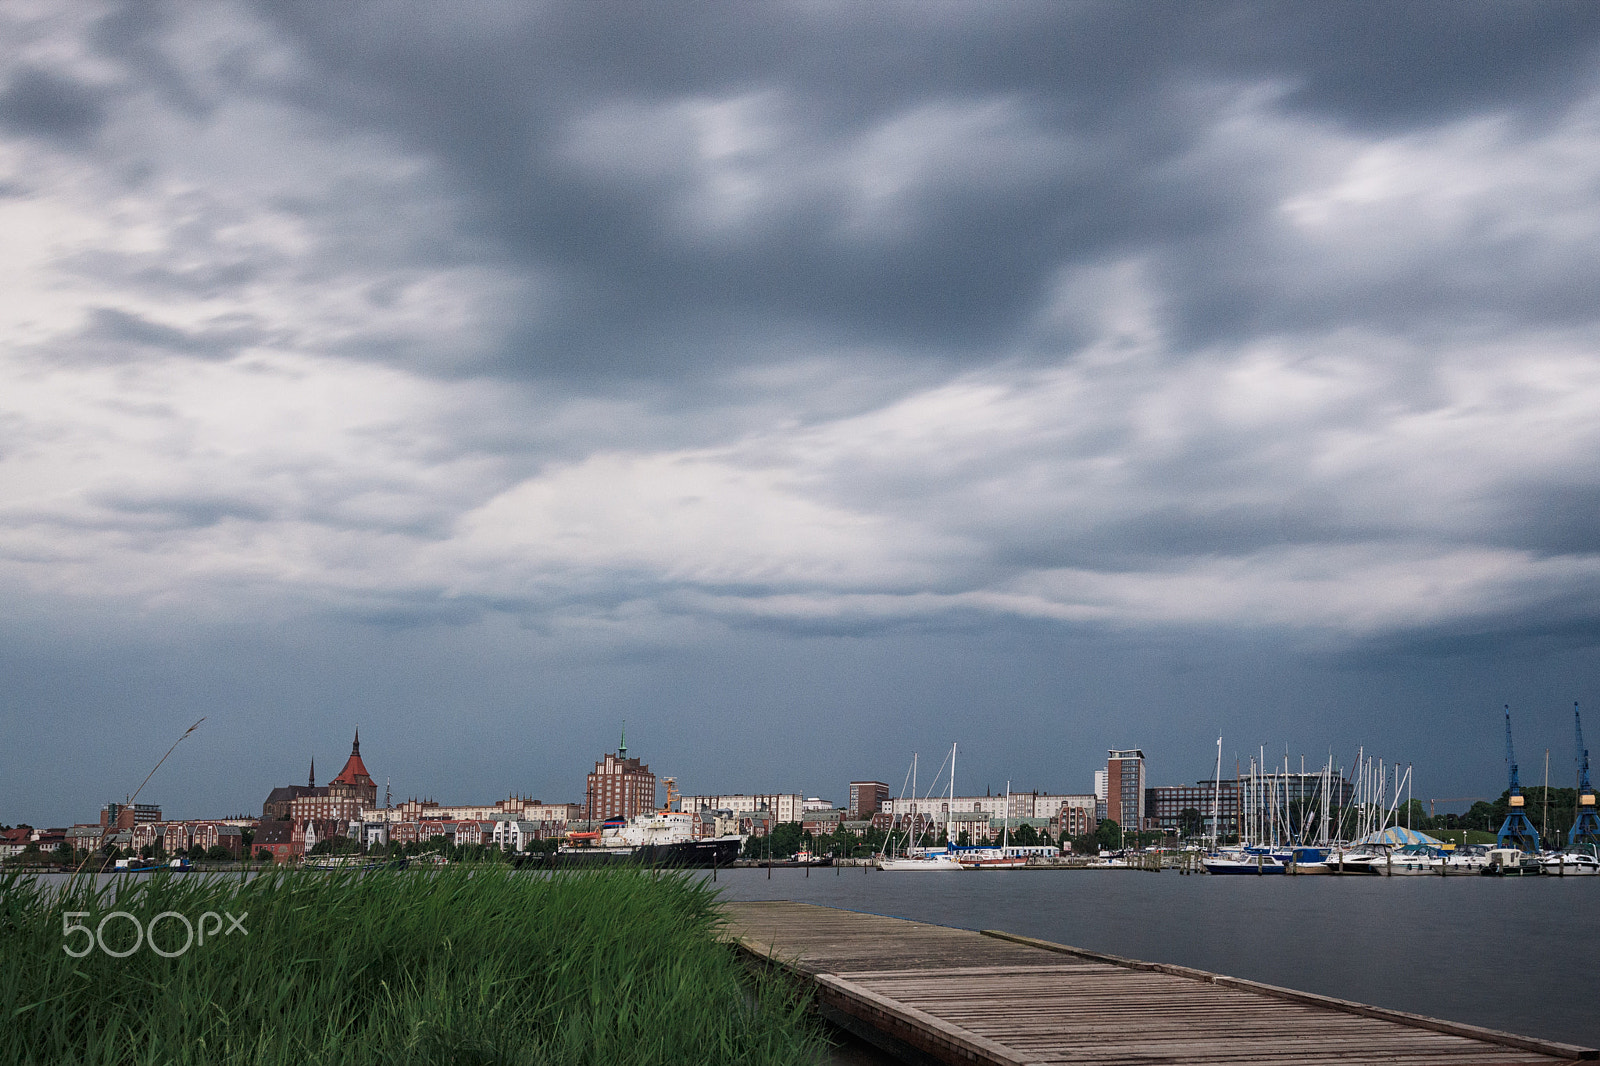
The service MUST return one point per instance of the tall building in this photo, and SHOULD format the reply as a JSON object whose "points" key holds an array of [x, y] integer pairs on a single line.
{"points": [[127, 815], [619, 787], [353, 782], [866, 797], [1125, 787], [340, 800]]}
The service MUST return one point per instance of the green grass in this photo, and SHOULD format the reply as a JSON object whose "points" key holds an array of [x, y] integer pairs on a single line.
{"points": [[461, 966], [1463, 836]]}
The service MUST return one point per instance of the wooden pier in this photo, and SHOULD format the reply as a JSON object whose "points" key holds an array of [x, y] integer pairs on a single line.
{"points": [[930, 993]]}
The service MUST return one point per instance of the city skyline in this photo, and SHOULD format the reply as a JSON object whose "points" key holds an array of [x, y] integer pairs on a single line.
{"points": [[807, 384]]}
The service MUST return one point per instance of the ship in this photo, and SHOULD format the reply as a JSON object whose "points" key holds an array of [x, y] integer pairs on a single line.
{"points": [[656, 838]]}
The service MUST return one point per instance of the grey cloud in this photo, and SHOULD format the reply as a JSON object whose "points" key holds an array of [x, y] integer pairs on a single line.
{"points": [[171, 512], [44, 103], [493, 100], [116, 333]]}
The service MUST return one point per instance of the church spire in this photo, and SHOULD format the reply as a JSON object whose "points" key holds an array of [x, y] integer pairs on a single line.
{"points": [[312, 780], [622, 743], [355, 749]]}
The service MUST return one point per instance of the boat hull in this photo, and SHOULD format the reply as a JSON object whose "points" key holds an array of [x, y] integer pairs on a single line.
{"points": [[939, 865], [1262, 865], [687, 854]]}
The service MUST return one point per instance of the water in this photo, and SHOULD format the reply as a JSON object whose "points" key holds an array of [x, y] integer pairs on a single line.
{"points": [[1516, 954]]}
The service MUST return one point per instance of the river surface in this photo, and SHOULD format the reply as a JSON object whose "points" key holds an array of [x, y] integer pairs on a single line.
{"points": [[1516, 954]]}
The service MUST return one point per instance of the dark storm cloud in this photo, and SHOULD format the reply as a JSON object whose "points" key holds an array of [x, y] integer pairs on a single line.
{"points": [[43, 103], [1106, 101]]}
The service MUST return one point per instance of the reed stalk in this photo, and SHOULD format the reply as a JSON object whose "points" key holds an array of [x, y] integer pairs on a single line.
{"points": [[459, 965]]}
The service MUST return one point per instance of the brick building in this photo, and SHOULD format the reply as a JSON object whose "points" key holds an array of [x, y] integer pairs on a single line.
{"points": [[619, 787], [865, 799], [1125, 788]]}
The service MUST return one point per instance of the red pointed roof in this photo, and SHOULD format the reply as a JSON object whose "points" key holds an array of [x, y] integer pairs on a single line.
{"points": [[355, 771]]}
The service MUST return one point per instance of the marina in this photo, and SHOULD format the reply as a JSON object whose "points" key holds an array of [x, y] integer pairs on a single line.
{"points": [[960, 996]]}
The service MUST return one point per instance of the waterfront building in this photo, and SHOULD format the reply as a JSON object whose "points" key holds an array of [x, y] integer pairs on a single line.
{"points": [[1124, 787], [983, 818], [815, 803], [85, 837], [1275, 799], [1072, 814], [515, 835], [341, 800], [866, 797], [757, 809], [619, 787], [15, 841], [277, 839], [48, 839], [1165, 804], [277, 806], [1100, 804], [353, 783], [127, 815], [515, 807], [820, 822]]}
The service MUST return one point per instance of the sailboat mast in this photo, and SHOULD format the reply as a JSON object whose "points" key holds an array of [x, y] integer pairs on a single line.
{"points": [[1216, 799]]}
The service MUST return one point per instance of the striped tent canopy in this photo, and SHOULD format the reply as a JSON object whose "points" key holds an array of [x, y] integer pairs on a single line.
{"points": [[1399, 836]]}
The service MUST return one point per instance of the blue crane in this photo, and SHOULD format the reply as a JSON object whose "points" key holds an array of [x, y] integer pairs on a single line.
{"points": [[1516, 832], [1586, 828]]}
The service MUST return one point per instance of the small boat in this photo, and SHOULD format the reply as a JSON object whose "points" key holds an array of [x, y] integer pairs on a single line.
{"points": [[138, 866], [1570, 864], [1510, 862], [1415, 860], [981, 858], [929, 862], [1303, 860], [1363, 860], [924, 860], [1251, 861]]}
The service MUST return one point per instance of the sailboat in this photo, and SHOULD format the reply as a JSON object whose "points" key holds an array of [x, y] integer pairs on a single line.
{"points": [[981, 858], [925, 861]]}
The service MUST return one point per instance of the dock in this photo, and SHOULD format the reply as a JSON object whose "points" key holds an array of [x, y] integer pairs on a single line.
{"points": [[931, 993]]}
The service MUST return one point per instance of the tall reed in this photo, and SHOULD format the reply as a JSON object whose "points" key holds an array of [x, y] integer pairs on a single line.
{"points": [[460, 965]]}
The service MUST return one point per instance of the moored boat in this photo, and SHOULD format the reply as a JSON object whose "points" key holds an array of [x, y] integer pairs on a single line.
{"points": [[1570, 864], [1254, 861], [1511, 862]]}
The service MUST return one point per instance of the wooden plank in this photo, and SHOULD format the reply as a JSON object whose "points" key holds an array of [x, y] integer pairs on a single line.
{"points": [[1421, 1021], [963, 997]]}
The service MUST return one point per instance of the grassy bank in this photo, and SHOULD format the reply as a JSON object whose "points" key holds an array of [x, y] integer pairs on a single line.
{"points": [[454, 966]]}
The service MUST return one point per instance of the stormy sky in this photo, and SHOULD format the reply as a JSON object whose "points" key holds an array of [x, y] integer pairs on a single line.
{"points": [[805, 384]]}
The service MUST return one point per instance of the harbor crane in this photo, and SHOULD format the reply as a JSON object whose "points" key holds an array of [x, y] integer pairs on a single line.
{"points": [[1516, 831], [1586, 826]]}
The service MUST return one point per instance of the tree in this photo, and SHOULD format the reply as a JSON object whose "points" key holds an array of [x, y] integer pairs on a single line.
{"points": [[1190, 822], [1108, 834], [781, 843], [263, 855], [1026, 836], [1087, 844], [218, 852]]}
